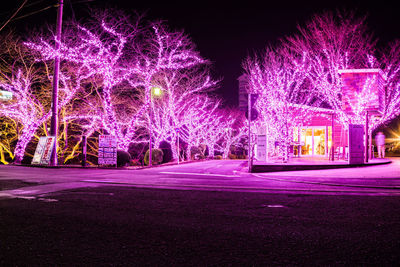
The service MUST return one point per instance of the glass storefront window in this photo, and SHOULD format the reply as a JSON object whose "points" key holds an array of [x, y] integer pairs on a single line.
{"points": [[319, 141], [313, 141]]}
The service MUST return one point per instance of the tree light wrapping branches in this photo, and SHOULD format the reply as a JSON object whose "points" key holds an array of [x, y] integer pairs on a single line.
{"points": [[195, 118], [118, 52], [167, 60], [285, 98], [99, 51], [333, 42], [390, 64], [27, 109], [179, 89]]}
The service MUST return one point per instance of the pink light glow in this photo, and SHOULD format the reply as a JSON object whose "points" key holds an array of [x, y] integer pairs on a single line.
{"points": [[25, 108], [280, 79], [144, 59]]}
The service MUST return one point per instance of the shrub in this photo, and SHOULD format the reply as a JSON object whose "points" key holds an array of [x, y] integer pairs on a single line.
{"points": [[195, 152], [123, 158], [241, 157], [167, 151], [218, 157], [156, 157], [232, 156], [135, 162]]}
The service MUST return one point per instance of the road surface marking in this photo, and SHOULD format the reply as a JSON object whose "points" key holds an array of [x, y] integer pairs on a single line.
{"points": [[201, 174]]}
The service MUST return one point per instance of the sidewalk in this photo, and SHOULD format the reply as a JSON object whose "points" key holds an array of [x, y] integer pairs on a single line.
{"points": [[310, 163]]}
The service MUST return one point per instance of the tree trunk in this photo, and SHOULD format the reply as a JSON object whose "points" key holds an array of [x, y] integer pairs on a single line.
{"points": [[211, 150], [23, 140]]}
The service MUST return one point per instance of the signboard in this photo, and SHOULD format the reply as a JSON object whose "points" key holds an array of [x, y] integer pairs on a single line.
{"points": [[107, 150], [356, 144], [43, 150], [243, 92], [261, 147], [5, 95]]}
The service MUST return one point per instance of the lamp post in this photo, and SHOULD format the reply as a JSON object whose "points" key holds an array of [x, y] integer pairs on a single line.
{"points": [[156, 91], [177, 132]]}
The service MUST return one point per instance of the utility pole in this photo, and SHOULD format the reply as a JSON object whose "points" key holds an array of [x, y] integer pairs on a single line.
{"points": [[366, 137], [54, 104], [178, 147], [151, 130], [250, 161], [332, 144]]}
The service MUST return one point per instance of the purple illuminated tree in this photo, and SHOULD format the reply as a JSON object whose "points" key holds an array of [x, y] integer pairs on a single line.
{"points": [[195, 118], [340, 41], [99, 50], [285, 99], [390, 64], [234, 129], [29, 82], [28, 109], [333, 42], [179, 90], [8, 137], [117, 52]]}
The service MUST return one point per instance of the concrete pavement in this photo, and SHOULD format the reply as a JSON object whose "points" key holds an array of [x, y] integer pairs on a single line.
{"points": [[214, 175]]}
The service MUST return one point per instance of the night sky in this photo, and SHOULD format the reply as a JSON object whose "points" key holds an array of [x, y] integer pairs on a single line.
{"points": [[224, 32]]}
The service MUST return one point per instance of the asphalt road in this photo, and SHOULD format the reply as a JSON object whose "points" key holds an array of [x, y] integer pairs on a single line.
{"points": [[227, 175], [126, 226], [199, 214]]}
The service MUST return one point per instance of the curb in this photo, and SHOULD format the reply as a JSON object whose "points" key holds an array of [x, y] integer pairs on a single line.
{"points": [[298, 167]]}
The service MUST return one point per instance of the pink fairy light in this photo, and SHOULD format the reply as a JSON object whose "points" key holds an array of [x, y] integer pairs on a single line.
{"points": [[28, 110], [280, 79], [139, 59]]}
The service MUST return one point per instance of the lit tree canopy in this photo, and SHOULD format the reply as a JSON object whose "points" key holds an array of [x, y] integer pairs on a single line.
{"points": [[127, 59], [334, 42], [390, 64], [121, 52], [285, 97]]}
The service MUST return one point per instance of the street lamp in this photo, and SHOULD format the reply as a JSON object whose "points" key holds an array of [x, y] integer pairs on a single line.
{"points": [[157, 92]]}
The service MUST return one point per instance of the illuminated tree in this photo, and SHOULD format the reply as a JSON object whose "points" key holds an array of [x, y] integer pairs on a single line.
{"points": [[333, 42], [117, 51], [390, 64], [28, 109], [98, 49], [214, 130], [234, 129], [285, 99], [179, 90], [8, 138], [195, 118]]}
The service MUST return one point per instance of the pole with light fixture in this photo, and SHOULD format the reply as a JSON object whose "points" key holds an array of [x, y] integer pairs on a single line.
{"points": [[156, 91]]}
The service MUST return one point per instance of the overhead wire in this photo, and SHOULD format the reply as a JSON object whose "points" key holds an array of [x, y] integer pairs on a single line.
{"points": [[13, 15]]}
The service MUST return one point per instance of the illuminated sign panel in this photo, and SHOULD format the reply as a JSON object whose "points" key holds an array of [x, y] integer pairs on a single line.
{"points": [[43, 150], [107, 150], [5, 95]]}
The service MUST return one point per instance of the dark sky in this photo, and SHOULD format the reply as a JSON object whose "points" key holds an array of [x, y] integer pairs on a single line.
{"points": [[225, 32]]}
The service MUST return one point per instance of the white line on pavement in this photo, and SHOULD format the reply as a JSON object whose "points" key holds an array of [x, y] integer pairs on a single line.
{"points": [[201, 174]]}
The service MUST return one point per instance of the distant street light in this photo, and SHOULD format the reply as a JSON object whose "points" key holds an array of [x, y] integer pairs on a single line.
{"points": [[157, 91]]}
